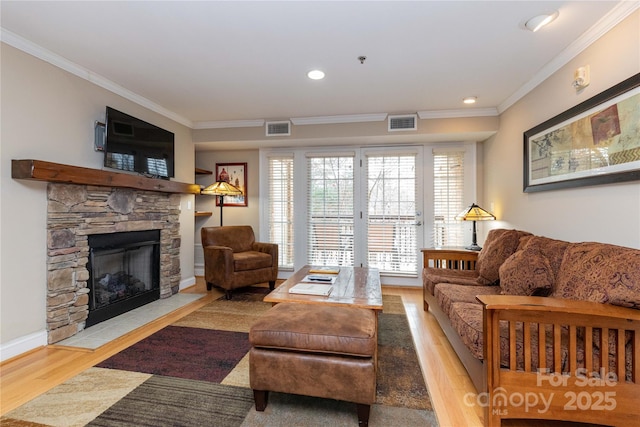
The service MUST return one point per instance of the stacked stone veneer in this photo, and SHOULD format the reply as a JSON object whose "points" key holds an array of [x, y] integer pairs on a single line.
{"points": [[76, 211]]}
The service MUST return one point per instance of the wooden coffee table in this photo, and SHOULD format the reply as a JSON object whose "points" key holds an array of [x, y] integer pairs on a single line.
{"points": [[354, 287]]}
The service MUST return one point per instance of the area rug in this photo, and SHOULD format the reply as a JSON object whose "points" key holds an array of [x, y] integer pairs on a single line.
{"points": [[195, 373]]}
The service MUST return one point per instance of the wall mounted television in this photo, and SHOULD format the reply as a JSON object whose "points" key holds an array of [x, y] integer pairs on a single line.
{"points": [[134, 145]]}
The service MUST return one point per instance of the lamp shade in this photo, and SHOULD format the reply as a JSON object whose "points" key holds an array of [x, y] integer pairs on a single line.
{"points": [[475, 213], [221, 188]]}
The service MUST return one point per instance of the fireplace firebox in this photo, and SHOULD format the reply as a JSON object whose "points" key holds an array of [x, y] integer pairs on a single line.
{"points": [[124, 273]]}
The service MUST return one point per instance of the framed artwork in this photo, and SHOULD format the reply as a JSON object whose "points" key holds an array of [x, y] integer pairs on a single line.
{"points": [[595, 142], [236, 174]]}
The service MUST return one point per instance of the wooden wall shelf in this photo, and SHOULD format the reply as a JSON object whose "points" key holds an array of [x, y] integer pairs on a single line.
{"points": [[54, 172], [200, 171]]}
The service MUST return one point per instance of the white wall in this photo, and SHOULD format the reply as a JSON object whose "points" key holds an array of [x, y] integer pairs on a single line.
{"points": [[48, 114], [606, 213]]}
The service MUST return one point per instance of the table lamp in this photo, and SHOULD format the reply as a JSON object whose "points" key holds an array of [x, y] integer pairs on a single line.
{"points": [[475, 213]]}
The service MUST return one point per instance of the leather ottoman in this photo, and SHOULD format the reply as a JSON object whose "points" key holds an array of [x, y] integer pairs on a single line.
{"points": [[315, 350]]}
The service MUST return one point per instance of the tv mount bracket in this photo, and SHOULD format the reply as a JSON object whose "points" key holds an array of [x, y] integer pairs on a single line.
{"points": [[99, 130]]}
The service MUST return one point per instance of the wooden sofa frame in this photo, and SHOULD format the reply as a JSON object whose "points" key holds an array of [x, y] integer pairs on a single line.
{"points": [[584, 393], [457, 260]]}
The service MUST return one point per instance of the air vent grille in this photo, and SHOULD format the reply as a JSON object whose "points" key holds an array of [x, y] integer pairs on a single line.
{"points": [[405, 122], [278, 128]]}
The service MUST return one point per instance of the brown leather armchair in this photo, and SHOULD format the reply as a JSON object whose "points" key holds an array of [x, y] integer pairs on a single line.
{"points": [[233, 259]]}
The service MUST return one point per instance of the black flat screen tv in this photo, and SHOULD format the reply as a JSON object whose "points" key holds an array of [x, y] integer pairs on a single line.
{"points": [[134, 145]]}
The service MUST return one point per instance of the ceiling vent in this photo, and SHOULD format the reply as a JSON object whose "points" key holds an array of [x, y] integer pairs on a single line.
{"points": [[278, 128], [404, 122]]}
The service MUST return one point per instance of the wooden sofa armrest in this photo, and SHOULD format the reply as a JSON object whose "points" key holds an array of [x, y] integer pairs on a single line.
{"points": [[456, 259], [548, 304], [568, 338]]}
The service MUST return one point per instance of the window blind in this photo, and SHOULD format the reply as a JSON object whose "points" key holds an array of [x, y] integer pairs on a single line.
{"points": [[448, 199], [281, 208], [330, 205], [391, 213]]}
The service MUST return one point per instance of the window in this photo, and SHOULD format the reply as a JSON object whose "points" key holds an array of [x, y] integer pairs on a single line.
{"points": [[448, 197], [280, 207], [330, 207]]}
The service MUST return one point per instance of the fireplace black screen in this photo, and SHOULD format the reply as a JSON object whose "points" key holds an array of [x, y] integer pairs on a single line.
{"points": [[124, 272]]}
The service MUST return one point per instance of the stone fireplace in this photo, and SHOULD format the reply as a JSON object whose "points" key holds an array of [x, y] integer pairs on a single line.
{"points": [[76, 212]]}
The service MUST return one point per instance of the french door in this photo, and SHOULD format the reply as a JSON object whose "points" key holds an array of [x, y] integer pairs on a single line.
{"points": [[393, 210], [364, 209]]}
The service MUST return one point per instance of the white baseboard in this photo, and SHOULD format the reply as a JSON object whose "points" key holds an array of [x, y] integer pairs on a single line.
{"points": [[23, 344], [198, 269], [39, 339], [185, 283]]}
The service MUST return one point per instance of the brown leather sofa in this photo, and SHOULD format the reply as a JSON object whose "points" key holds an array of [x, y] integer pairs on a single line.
{"points": [[233, 258]]}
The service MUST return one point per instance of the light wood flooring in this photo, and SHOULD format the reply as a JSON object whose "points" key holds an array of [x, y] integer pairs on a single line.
{"points": [[27, 376]]}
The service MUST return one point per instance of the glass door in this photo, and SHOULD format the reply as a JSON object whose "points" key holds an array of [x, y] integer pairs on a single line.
{"points": [[393, 217]]}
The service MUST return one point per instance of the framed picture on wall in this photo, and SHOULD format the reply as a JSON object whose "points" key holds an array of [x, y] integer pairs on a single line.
{"points": [[595, 142], [235, 174]]}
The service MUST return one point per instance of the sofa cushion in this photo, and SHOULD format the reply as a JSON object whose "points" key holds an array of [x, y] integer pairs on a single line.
{"points": [[600, 272], [466, 319], [499, 246], [432, 276], [446, 294], [526, 272]]}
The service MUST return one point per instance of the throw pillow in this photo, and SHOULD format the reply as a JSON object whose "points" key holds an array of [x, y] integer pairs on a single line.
{"points": [[552, 249], [600, 272], [527, 272], [499, 246]]}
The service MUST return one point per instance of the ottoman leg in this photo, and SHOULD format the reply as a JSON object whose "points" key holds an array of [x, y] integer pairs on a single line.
{"points": [[260, 397], [363, 414]]}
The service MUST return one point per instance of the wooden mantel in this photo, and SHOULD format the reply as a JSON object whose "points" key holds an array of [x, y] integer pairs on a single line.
{"points": [[54, 172]]}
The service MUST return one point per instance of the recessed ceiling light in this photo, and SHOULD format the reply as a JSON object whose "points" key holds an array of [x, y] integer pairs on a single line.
{"points": [[537, 22], [315, 75], [470, 99]]}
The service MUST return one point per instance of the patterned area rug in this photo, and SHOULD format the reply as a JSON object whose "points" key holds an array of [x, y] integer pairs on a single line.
{"points": [[195, 372]]}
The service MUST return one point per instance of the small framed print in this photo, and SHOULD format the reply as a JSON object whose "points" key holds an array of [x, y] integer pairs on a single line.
{"points": [[235, 174]]}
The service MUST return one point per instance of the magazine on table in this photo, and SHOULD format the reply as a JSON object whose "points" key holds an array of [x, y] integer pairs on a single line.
{"points": [[324, 270], [311, 289]]}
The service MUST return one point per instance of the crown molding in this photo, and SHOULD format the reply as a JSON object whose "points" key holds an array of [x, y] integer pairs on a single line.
{"points": [[56, 60], [450, 114], [606, 23], [220, 124], [621, 11], [347, 118]]}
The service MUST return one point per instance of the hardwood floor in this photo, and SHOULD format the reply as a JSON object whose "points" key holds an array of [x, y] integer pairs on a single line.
{"points": [[29, 375]]}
